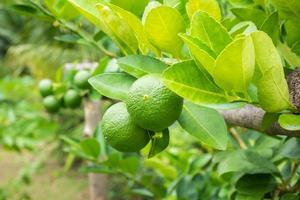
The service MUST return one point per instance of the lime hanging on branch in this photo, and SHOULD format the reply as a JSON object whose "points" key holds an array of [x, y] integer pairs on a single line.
{"points": [[46, 87], [72, 99], [152, 105], [81, 79], [121, 132], [52, 104]]}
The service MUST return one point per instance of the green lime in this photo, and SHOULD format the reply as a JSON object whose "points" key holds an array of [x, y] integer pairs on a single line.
{"points": [[121, 132], [46, 87], [72, 99], [52, 104], [152, 105], [81, 79]]}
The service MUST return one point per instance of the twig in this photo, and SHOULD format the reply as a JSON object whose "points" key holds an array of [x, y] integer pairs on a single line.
{"points": [[236, 136]]}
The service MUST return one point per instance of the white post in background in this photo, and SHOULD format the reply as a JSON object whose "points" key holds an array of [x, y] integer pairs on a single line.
{"points": [[97, 182], [92, 115]]}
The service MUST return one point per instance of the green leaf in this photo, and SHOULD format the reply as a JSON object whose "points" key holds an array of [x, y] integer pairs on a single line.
{"points": [[258, 184], [293, 32], [159, 142], [112, 85], [291, 58], [209, 31], [118, 28], [143, 192], [235, 66], [133, 6], [201, 53], [271, 26], [290, 196], [129, 165], [246, 162], [161, 30], [272, 87], [291, 149], [166, 170], [250, 14], [194, 84], [136, 26], [289, 122], [206, 124], [290, 10], [90, 147], [138, 65], [88, 9], [209, 6], [248, 197]]}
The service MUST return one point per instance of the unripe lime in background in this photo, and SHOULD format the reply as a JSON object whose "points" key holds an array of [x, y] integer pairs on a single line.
{"points": [[152, 105], [72, 99], [81, 79], [51, 103], [46, 87], [121, 132]]}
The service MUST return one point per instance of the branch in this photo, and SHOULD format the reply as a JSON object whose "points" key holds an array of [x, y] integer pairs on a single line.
{"points": [[251, 117]]}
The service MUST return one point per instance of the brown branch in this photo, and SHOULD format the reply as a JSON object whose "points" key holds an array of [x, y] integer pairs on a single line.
{"points": [[251, 117]]}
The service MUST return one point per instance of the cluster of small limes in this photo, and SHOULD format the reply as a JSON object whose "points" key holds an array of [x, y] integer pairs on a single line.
{"points": [[71, 97], [150, 107]]}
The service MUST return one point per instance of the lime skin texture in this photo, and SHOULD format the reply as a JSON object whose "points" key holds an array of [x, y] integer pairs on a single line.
{"points": [[152, 105], [121, 132]]}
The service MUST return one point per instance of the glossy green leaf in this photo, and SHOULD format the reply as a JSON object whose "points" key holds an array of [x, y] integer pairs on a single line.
{"points": [[290, 10], [88, 9], [194, 84], [272, 87], [209, 31], [159, 142], [293, 32], [90, 147], [290, 57], [200, 52], [209, 6], [206, 124], [289, 122], [258, 184], [136, 26], [271, 26], [119, 28], [112, 85], [235, 66], [133, 6], [138, 65], [161, 30], [250, 14]]}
